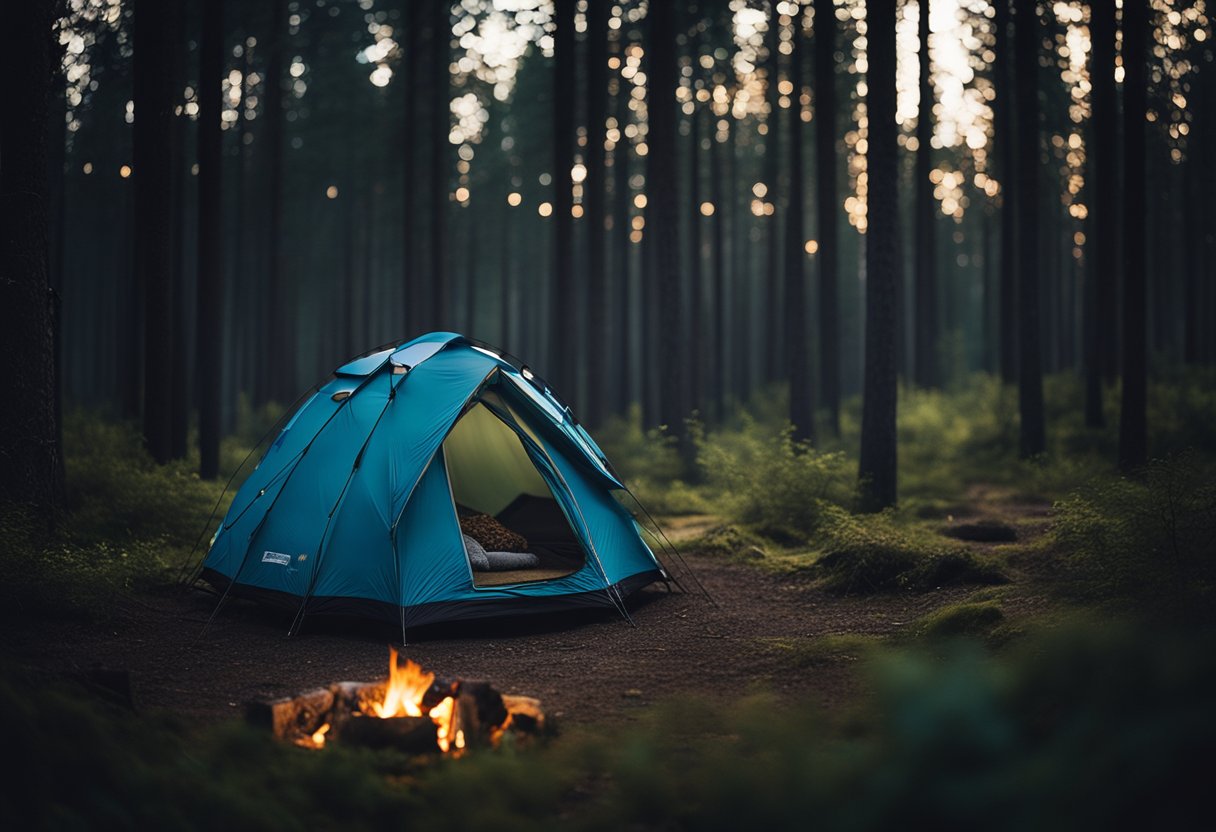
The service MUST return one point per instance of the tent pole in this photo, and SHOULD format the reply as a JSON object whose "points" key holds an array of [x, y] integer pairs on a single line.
{"points": [[298, 621], [294, 464]]}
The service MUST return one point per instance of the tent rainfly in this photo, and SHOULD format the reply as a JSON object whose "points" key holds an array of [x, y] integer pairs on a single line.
{"points": [[434, 481]]}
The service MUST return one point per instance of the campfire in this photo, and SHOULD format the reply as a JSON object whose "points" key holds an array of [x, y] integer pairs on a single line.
{"points": [[412, 711]]}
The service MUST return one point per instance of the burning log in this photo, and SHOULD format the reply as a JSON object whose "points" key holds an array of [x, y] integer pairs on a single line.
{"points": [[524, 714], [411, 711], [479, 711], [411, 734], [295, 717]]}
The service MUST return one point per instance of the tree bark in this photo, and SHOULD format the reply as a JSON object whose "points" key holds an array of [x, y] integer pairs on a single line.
{"points": [[696, 273], [663, 230], [926, 326], [30, 469], [622, 341], [210, 332], [1103, 244], [720, 369], [441, 125], [802, 385], [179, 361], [1005, 140], [277, 362], [153, 136], [1032, 440], [411, 90], [877, 469], [595, 191], [829, 210], [771, 368], [1133, 422], [563, 347]]}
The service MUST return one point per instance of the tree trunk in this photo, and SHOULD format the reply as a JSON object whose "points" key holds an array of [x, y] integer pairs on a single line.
{"points": [[277, 362], [696, 275], [209, 346], [771, 369], [1005, 140], [1133, 422], [1033, 438], [663, 231], [720, 369], [595, 191], [441, 125], [622, 341], [829, 209], [411, 90], [30, 469], [797, 344], [179, 363], [1103, 246], [563, 349], [925, 325], [153, 137], [877, 469]]}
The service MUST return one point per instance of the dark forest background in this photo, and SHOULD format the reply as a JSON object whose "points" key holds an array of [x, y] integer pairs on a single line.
{"points": [[678, 206]]}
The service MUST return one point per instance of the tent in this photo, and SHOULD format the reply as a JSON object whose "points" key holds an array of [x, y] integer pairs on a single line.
{"points": [[432, 481]]}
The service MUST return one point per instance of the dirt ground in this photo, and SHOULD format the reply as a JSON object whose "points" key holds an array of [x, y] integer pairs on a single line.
{"points": [[587, 667]]}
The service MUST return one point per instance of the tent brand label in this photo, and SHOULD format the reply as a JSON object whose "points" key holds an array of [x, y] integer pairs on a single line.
{"points": [[276, 557]]}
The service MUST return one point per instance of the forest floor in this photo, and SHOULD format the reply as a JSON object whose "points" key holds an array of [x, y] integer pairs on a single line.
{"points": [[759, 632]]}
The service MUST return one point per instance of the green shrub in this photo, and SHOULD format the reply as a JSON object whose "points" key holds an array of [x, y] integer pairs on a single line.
{"points": [[727, 541], [649, 464], [772, 483], [874, 553], [116, 492], [975, 620], [1151, 541]]}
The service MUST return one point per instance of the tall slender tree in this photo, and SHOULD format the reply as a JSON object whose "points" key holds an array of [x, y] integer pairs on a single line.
{"points": [[411, 90], [441, 125], [720, 301], [696, 271], [153, 96], [30, 469], [828, 209], [1133, 421], [179, 361], [771, 340], [1101, 278], [1033, 435], [278, 377], [663, 231], [563, 329], [798, 347], [877, 468], [925, 324], [595, 190], [622, 340], [1005, 139], [209, 327]]}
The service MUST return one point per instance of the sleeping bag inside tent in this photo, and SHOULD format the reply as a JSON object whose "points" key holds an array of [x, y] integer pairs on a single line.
{"points": [[433, 481]]}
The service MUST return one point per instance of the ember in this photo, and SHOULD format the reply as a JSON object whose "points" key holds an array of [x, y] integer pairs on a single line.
{"points": [[410, 711]]}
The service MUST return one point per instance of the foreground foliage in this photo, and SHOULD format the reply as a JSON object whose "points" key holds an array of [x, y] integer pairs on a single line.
{"points": [[1081, 728]]}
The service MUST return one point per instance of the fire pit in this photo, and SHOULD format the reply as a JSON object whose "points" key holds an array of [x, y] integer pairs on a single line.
{"points": [[410, 711]]}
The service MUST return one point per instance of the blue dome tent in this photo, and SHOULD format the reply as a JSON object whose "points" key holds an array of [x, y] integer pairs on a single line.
{"points": [[390, 491]]}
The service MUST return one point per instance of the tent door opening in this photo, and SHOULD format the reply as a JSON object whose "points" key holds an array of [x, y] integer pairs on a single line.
{"points": [[514, 527]]}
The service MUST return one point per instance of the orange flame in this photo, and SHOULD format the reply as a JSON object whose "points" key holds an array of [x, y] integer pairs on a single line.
{"points": [[407, 687]]}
